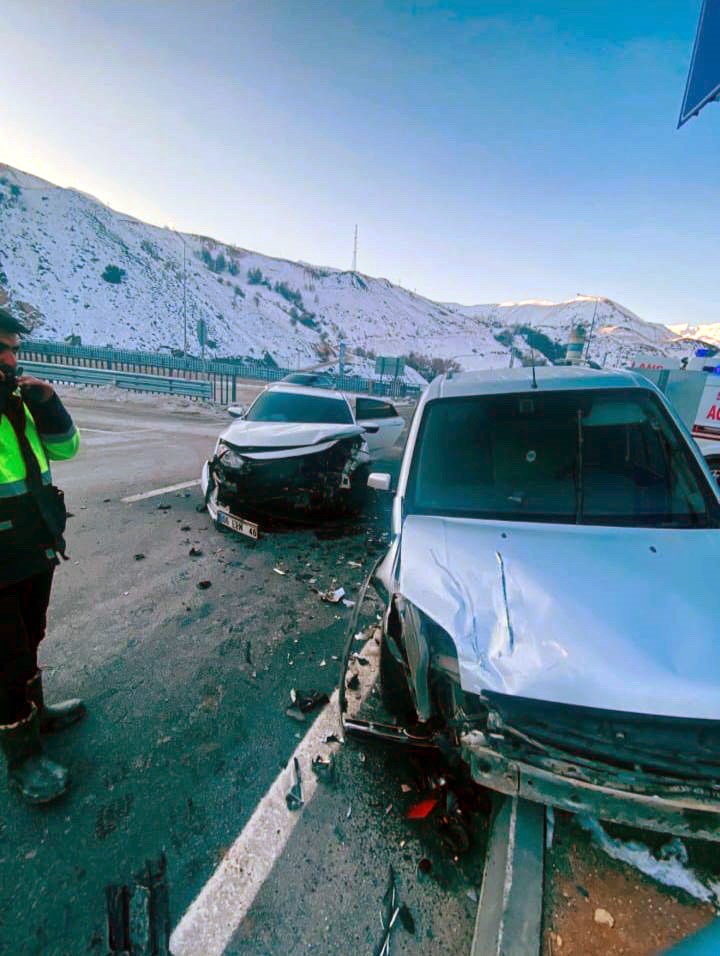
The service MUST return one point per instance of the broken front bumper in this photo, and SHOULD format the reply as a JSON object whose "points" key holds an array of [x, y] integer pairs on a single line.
{"points": [[687, 812]]}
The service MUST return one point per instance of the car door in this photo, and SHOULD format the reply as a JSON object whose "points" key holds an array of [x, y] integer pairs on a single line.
{"points": [[383, 416]]}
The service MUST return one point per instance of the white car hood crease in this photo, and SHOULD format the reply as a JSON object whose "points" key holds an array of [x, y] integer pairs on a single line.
{"points": [[581, 615], [243, 434]]}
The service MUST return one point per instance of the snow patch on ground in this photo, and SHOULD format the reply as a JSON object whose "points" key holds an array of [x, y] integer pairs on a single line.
{"points": [[671, 869], [109, 393]]}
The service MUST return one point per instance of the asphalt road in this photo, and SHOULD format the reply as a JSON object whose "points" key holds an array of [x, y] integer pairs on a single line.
{"points": [[187, 730], [187, 691]]}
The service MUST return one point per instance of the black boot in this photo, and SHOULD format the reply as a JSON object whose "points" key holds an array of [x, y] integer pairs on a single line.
{"points": [[53, 717], [37, 779]]}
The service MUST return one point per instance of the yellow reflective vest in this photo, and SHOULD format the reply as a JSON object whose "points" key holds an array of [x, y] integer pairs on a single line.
{"points": [[25, 545]]}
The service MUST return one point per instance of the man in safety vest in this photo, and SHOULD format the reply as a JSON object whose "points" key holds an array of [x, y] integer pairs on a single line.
{"points": [[34, 427]]}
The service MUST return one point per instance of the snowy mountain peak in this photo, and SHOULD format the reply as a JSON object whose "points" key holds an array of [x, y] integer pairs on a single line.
{"points": [[71, 265]]}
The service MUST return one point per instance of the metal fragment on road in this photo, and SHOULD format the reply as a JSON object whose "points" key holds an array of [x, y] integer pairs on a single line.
{"points": [[324, 768], [294, 796]]}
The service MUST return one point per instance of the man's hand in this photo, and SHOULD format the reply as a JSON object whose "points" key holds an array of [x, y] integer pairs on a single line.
{"points": [[39, 390]]}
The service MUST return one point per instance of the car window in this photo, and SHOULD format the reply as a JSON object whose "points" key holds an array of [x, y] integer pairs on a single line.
{"points": [[372, 408], [290, 407], [611, 457]]}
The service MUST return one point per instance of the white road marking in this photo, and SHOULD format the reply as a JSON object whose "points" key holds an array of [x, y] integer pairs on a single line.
{"points": [[159, 491], [212, 919]]}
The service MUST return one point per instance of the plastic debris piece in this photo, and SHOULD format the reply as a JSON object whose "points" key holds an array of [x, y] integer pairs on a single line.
{"points": [[305, 701], [279, 571], [348, 603], [323, 663], [472, 895], [407, 919], [294, 796], [324, 768], [295, 714], [423, 809], [333, 596], [405, 787], [349, 812], [204, 585]]}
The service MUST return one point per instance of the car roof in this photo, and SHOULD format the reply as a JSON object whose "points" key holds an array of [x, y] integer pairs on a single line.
{"points": [[548, 377], [310, 390]]}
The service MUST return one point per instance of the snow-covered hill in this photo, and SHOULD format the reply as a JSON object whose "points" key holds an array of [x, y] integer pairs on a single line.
{"points": [[708, 332], [71, 265]]}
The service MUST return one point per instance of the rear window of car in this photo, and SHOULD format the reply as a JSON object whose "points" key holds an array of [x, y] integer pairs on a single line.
{"points": [[371, 408], [290, 407], [606, 456]]}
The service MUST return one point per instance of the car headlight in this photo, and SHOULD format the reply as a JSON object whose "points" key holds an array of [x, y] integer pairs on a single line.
{"points": [[229, 458]]}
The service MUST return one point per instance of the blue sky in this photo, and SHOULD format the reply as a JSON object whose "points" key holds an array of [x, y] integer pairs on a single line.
{"points": [[489, 151]]}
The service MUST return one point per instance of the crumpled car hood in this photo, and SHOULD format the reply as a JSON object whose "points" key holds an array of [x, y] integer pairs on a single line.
{"points": [[616, 618], [242, 434]]}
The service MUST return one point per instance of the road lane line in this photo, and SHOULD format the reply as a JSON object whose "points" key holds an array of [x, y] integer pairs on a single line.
{"points": [[213, 918], [159, 491]]}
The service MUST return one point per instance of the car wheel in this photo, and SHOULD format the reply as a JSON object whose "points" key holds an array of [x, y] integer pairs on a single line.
{"points": [[394, 689]]}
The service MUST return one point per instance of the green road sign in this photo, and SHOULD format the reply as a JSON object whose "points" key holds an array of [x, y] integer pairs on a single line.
{"points": [[389, 365]]}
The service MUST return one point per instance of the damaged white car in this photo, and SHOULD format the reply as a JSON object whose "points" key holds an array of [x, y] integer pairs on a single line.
{"points": [[549, 607], [296, 449]]}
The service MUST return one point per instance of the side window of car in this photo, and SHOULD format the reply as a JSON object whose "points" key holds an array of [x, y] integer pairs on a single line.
{"points": [[373, 408]]}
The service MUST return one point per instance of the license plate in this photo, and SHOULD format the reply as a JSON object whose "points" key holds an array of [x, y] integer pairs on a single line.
{"points": [[248, 528]]}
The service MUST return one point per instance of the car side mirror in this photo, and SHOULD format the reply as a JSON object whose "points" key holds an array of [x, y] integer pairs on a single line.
{"points": [[371, 429], [236, 411], [379, 480]]}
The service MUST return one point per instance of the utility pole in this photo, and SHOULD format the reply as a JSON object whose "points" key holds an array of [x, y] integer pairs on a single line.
{"points": [[592, 324], [185, 300], [354, 265]]}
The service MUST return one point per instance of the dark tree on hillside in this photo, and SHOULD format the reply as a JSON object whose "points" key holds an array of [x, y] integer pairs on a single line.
{"points": [[114, 274]]}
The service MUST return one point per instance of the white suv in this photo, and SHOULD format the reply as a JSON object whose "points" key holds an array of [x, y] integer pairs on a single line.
{"points": [[548, 595]]}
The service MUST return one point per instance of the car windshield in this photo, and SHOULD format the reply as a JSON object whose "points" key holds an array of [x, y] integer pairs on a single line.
{"points": [[610, 457], [296, 407]]}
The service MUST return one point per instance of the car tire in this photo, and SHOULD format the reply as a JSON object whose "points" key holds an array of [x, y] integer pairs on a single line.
{"points": [[394, 690]]}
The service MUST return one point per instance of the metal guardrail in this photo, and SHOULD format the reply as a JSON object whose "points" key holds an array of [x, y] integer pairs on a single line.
{"points": [[224, 374], [161, 384]]}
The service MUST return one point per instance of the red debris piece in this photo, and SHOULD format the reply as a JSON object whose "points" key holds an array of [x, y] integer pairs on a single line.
{"points": [[423, 809]]}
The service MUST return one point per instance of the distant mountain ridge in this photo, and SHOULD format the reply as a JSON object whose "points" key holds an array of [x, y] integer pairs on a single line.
{"points": [[72, 265]]}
